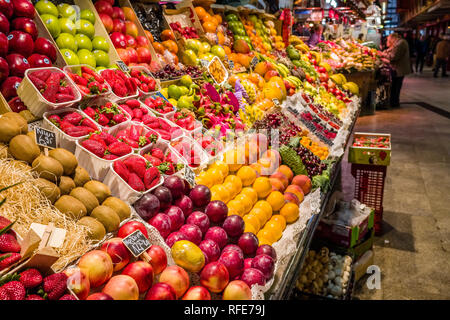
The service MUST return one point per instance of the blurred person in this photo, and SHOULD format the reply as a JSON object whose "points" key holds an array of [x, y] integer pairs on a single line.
{"points": [[316, 35], [442, 54], [360, 38], [397, 55], [421, 48]]}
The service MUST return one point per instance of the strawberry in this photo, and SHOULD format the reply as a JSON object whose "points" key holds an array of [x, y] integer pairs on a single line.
{"points": [[137, 114], [4, 222], [133, 103], [8, 259], [119, 148], [137, 165], [127, 109], [135, 182], [73, 118], [64, 125], [55, 285], [89, 123], [121, 169], [153, 161], [79, 131], [67, 297], [158, 153], [119, 118], [102, 119], [166, 168], [30, 278], [90, 112], [130, 142], [110, 157], [34, 297], [98, 137], [95, 147], [13, 290], [8, 243], [151, 177]]}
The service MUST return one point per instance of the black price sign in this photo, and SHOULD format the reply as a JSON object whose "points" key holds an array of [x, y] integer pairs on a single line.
{"points": [[45, 138], [137, 243], [231, 64], [189, 175], [122, 66], [254, 62]]}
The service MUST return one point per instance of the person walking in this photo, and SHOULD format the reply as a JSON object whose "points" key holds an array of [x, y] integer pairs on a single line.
{"points": [[421, 51], [316, 36], [442, 54], [397, 55]]}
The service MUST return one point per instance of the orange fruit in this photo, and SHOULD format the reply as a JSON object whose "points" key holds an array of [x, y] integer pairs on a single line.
{"points": [[200, 11], [253, 221], [218, 17], [251, 193], [227, 49], [216, 175], [167, 35], [209, 26], [250, 228], [276, 200], [262, 186], [245, 201], [204, 179], [222, 166], [234, 158], [290, 212], [280, 220], [220, 38], [236, 206], [275, 229], [170, 45], [230, 188], [206, 17], [159, 48], [247, 175], [257, 167], [244, 59], [219, 192], [266, 234], [237, 183], [263, 204], [260, 214], [213, 20]]}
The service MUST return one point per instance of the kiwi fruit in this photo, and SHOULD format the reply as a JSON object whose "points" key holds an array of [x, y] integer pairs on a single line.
{"points": [[47, 168], [100, 190], [96, 230], [23, 148], [107, 216], [48, 189], [66, 158], [66, 185], [86, 197], [81, 176], [27, 115], [71, 206], [3, 151], [121, 208], [17, 118], [8, 129]]}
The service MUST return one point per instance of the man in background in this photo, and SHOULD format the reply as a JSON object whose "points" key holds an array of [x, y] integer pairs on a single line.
{"points": [[442, 54], [421, 47]]}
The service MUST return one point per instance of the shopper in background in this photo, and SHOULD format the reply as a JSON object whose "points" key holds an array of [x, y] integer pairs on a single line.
{"points": [[442, 54], [360, 38], [421, 47], [397, 54], [316, 35]]}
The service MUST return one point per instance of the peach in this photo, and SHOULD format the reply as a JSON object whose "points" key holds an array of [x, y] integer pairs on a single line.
{"points": [[293, 188], [78, 282], [284, 169], [197, 293], [98, 265], [142, 273], [214, 277], [303, 182], [280, 176], [290, 197], [237, 290], [161, 291], [158, 258], [269, 74], [99, 296], [119, 254], [277, 185], [122, 287], [177, 278]]}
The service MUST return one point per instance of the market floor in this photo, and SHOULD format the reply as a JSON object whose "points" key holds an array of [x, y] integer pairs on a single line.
{"points": [[413, 252]]}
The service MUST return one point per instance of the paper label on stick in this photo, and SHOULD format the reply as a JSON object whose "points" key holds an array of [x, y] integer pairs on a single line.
{"points": [[137, 243], [122, 66], [189, 175], [45, 138]]}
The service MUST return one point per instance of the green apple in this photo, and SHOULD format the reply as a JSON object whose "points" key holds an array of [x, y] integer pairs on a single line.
{"points": [[70, 57], [204, 48], [52, 24], [218, 51], [83, 42], [85, 27], [86, 57], [193, 44], [67, 26], [190, 58], [88, 15], [101, 58], [67, 11], [67, 41], [100, 43], [46, 7]]}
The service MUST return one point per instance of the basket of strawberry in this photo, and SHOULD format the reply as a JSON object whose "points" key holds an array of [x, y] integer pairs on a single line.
{"points": [[165, 128], [121, 84], [190, 151], [69, 125], [185, 119], [211, 145], [135, 135], [159, 105], [144, 80], [129, 178], [160, 155], [107, 114], [88, 81], [136, 109]]}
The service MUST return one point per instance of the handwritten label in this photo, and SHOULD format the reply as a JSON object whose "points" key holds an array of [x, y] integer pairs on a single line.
{"points": [[122, 66], [137, 243], [254, 62], [204, 62], [45, 138], [276, 101], [231, 64], [189, 175]]}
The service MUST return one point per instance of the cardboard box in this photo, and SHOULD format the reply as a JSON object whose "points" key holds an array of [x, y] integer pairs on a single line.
{"points": [[370, 155]]}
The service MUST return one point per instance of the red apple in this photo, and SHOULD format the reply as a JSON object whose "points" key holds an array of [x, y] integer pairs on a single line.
{"points": [[185, 204], [132, 55], [161, 291], [17, 105], [233, 261], [39, 61], [142, 41], [248, 263], [130, 227], [174, 237], [26, 25], [98, 265], [237, 290], [45, 47], [177, 278], [123, 54], [23, 8], [214, 277], [131, 29], [122, 287], [4, 69], [218, 235], [176, 216], [9, 87], [253, 276], [118, 252], [265, 264], [104, 7], [234, 225], [217, 211], [210, 249], [4, 24], [162, 223], [144, 54], [142, 273], [118, 13], [99, 296], [78, 282], [158, 258], [3, 45], [197, 293], [248, 242], [200, 219], [7, 8], [119, 26], [192, 233], [20, 42], [131, 42], [107, 22], [118, 39]]}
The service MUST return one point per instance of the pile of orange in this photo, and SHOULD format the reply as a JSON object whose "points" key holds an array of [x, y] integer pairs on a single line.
{"points": [[318, 150]]}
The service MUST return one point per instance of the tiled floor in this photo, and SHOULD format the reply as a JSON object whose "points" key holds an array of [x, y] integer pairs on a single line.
{"points": [[414, 251]]}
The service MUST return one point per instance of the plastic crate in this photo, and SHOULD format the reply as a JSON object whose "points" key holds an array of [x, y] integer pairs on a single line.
{"points": [[369, 189]]}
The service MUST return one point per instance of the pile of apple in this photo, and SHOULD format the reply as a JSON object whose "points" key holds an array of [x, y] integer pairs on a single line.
{"points": [[75, 37], [123, 31], [20, 48]]}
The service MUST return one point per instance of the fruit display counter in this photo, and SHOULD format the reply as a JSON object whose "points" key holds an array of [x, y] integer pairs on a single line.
{"points": [[198, 172]]}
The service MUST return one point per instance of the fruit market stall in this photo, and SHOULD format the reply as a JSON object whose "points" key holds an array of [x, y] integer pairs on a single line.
{"points": [[174, 161]]}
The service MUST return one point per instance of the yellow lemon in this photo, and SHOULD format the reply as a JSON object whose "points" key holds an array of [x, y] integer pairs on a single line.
{"points": [[216, 175], [263, 204], [253, 221], [220, 192], [245, 202], [247, 175], [251, 193], [222, 166], [276, 200], [262, 186], [290, 212], [236, 181]]}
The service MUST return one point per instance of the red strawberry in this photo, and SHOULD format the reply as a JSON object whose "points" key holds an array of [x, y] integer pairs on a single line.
{"points": [[12, 290], [97, 137], [107, 137], [73, 118], [8, 243], [67, 297], [121, 169], [102, 120], [79, 131], [135, 182], [151, 177], [10, 260], [110, 157], [55, 285], [137, 165], [4, 222], [119, 118], [158, 153], [30, 278], [88, 123], [130, 142], [64, 125], [95, 147], [154, 161], [90, 112], [34, 297], [119, 148], [127, 109]]}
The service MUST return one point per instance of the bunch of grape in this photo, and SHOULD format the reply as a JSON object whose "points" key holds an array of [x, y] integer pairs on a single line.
{"points": [[276, 120], [312, 163]]}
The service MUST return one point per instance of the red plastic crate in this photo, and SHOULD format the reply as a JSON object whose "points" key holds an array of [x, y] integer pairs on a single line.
{"points": [[369, 189]]}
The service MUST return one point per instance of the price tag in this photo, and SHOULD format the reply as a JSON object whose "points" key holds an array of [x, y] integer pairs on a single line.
{"points": [[276, 101], [292, 110], [122, 66], [254, 62], [231, 64], [189, 175], [137, 243], [204, 62], [45, 138]]}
